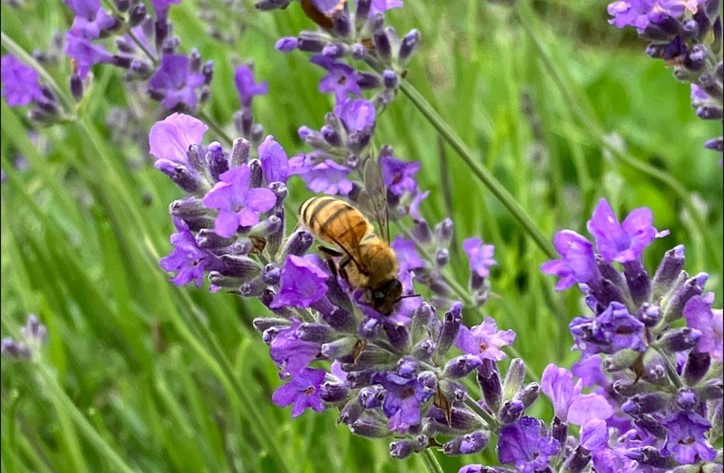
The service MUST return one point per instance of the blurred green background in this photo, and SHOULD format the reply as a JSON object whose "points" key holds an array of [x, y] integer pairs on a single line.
{"points": [[141, 373]]}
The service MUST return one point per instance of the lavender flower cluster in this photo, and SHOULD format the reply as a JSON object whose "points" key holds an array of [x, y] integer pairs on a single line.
{"points": [[688, 36]]}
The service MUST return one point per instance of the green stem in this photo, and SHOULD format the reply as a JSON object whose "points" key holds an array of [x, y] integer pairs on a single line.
{"points": [[483, 174], [80, 420], [526, 19], [430, 461]]}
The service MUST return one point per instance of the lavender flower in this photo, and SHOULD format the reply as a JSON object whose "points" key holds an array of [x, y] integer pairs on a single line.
{"points": [[328, 178], [485, 340], [480, 256], [700, 315], [176, 83], [568, 401], [577, 264], [34, 336], [302, 390], [20, 83], [340, 79], [247, 87], [399, 176], [238, 203], [188, 259], [686, 441], [526, 445], [302, 283]]}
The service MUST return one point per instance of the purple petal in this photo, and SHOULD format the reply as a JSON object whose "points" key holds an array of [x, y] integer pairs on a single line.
{"points": [[170, 138]]}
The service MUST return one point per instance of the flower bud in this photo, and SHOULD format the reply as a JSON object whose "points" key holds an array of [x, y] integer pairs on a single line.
{"points": [[370, 428], [638, 282], [263, 323], [298, 243], [371, 396], [559, 430], [341, 24], [424, 350], [528, 394], [450, 328], [315, 332], [621, 360], [489, 381], [514, 378], [673, 305], [577, 461], [408, 45], [696, 367], [651, 456], [333, 392], [651, 425], [351, 411], [467, 444], [686, 399], [241, 267], [680, 339], [511, 411], [711, 389], [383, 46], [239, 152], [645, 403], [338, 348], [397, 334], [137, 15], [461, 366], [401, 449]]}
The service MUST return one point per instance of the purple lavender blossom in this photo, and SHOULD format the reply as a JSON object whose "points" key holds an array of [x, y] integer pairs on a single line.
{"points": [[399, 176], [569, 404], [90, 19], [405, 395], [700, 315], [85, 54], [247, 87], [609, 332], [302, 283], [20, 82], [328, 178], [526, 444], [176, 82], [638, 13], [626, 241], [415, 206], [480, 256], [161, 7], [358, 117], [686, 439], [577, 265], [238, 204], [407, 255], [340, 79], [484, 340], [187, 258], [289, 352], [275, 165], [302, 390], [169, 139], [381, 6]]}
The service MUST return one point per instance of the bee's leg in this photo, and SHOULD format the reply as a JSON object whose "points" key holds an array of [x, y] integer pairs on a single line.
{"points": [[330, 253]]}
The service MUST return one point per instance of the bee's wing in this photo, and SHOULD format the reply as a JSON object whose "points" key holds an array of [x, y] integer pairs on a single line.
{"points": [[374, 197]]}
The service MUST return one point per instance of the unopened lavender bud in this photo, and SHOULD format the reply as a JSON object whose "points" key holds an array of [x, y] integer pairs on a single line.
{"points": [[287, 44], [383, 47], [263, 323], [577, 461], [310, 44], [489, 381], [690, 28], [559, 430], [450, 328], [467, 444], [649, 314], [696, 367], [341, 24], [195, 60], [169, 45], [645, 403], [298, 243], [627, 388], [140, 69], [185, 179], [257, 133], [638, 282], [253, 288], [716, 415], [675, 303], [696, 59], [422, 317], [438, 286], [621, 360], [428, 379], [351, 411], [125, 45], [334, 50], [680, 339], [528, 394], [408, 45], [239, 152], [370, 428], [333, 392], [650, 456], [424, 350], [651, 425], [711, 85], [208, 72], [15, 350], [362, 11], [511, 411], [372, 357], [442, 257], [461, 366], [715, 144], [137, 15], [390, 79], [401, 449], [241, 267], [444, 233], [315, 332], [122, 5], [368, 80], [338, 348], [76, 87], [331, 136], [227, 282], [711, 389], [686, 399], [398, 335], [217, 159], [358, 51], [256, 174], [514, 378], [371, 396], [710, 112]]}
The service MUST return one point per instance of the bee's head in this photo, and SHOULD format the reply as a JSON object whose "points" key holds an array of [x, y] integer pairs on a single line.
{"points": [[385, 297]]}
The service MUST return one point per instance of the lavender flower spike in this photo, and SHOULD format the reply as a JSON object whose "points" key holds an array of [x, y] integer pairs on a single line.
{"points": [[568, 401], [20, 82]]}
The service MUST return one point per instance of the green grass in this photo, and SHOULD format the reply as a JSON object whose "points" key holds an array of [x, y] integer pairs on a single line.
{"points": [[140, 375]]}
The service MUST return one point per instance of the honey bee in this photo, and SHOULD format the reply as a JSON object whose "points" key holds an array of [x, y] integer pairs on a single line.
{"points": [[367, 261]]}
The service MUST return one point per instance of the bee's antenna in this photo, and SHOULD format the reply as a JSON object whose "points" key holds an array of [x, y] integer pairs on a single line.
{"points": [[407, 296]]}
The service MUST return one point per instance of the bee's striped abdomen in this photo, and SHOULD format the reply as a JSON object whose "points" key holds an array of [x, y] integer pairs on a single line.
{"points": [[334, 221]]}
